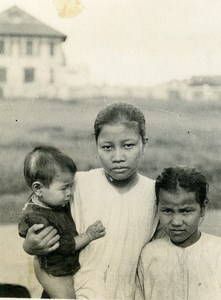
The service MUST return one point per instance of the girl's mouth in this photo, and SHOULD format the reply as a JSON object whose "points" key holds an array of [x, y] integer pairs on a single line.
{"points": [[177, 231]]}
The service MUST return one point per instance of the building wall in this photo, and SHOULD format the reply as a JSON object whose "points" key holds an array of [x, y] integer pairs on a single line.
{"points": [[47, 68]]}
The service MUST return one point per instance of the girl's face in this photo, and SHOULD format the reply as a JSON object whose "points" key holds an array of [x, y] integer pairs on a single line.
{"points": [[180, 216], [119, 148]]}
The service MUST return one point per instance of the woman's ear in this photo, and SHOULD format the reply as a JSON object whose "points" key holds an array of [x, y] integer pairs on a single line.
{"points": [[145, 141], [204, 207], [37, 188]]}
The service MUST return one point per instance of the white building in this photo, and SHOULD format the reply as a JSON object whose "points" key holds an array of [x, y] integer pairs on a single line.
{"points": [[32, 63]]}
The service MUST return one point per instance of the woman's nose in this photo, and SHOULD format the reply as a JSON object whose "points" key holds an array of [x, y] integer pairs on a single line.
{"points": [[118, 155]]}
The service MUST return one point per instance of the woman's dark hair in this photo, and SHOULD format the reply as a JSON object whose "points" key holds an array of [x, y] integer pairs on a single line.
{"points": [[187, 178], [121, 112], [43, 163]]}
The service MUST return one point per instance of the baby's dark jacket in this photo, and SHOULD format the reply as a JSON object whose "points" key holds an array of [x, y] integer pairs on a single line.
{"points": [[65, 259]]}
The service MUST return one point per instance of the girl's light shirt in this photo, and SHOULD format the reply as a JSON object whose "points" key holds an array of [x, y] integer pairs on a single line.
{"points": [[108, 264], [173, 273]]}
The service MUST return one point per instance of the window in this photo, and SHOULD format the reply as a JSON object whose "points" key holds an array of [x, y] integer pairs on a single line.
{"points": [[51, 76], [2, 74], [51, 48], [29, 74], [29, 48], [2, 47], [1, 93]]}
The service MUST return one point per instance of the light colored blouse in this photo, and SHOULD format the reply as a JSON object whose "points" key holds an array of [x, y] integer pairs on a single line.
{"points": [[108, 264], [173, 273]]}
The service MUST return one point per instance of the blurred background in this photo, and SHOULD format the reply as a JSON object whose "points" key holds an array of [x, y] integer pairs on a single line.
{"points": [[57, 73]]}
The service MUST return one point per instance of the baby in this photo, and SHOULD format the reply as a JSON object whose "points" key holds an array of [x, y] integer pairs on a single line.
{"points": [[50, 174]]}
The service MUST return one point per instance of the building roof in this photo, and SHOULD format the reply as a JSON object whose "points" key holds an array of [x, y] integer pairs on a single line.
{"points": [[16, 22], [205, 80]]}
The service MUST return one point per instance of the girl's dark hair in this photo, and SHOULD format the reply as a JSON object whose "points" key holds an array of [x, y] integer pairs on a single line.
{"points": [[120, 112], [187, 178], [43, 163]]}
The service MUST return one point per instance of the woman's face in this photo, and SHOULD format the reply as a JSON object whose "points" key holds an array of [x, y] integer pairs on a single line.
{"points": [[119, 148]]}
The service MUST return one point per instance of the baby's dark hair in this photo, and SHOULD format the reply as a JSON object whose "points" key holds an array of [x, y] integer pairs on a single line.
{"points": [[120, 112], [186, 178], [43, 163]]}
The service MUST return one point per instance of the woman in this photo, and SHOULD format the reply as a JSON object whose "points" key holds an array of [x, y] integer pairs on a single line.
{"points": [[118, 196]]}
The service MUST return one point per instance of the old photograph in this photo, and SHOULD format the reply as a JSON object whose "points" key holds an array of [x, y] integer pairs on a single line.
{"points": [[110, 149]]}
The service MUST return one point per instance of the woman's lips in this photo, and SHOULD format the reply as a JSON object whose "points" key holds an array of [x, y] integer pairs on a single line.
{"points": [[119, 169]]}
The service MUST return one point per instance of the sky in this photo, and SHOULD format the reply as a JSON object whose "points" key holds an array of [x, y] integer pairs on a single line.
{"points": [[137, 42]]}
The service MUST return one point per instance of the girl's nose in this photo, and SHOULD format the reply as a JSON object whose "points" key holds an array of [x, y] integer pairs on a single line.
{"points": [[177, 220], [118, 155]]}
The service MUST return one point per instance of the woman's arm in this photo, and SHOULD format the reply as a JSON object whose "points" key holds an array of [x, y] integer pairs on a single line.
{"points": [[41, 243]]}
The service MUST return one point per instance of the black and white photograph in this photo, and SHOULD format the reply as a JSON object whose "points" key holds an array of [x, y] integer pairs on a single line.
{"points": [[110, 149]]}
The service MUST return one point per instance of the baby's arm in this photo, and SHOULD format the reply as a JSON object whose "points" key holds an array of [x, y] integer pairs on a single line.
{"points": [[93, 232], [57, 287]]}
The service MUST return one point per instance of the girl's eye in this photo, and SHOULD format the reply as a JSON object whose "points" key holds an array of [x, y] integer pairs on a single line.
{"points": [[167, 211]]}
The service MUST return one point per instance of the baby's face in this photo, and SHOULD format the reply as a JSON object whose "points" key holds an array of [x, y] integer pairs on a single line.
{"points": [[60, 190], [180, 215]]}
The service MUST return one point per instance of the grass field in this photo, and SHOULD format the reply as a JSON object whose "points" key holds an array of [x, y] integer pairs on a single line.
{"points": [[179, 133]]}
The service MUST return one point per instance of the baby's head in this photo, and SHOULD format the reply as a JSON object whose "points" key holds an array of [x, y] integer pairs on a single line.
{"points": [[124, 113], [181, 195], [50, 174]]}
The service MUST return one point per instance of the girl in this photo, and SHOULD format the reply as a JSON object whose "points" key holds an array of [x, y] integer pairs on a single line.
{"points": [[185, 264], [118, 196]]}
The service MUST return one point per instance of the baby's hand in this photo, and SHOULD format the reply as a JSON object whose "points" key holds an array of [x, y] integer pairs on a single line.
{"points": [[96, 230]]}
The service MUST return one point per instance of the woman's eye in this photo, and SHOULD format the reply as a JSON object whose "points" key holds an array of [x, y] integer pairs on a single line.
{"points": [[128, 146], [106, 148], [187, 211]]}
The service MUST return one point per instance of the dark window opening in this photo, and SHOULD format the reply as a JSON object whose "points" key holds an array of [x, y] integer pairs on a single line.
{"points": [[1, 93], [29, 48], [2, 74], [29, 75], [2, 47], [51, 76], [51, 47]]}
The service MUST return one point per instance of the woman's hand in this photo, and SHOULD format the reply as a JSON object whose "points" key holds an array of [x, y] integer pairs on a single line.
{"points": [[43, 242]]}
